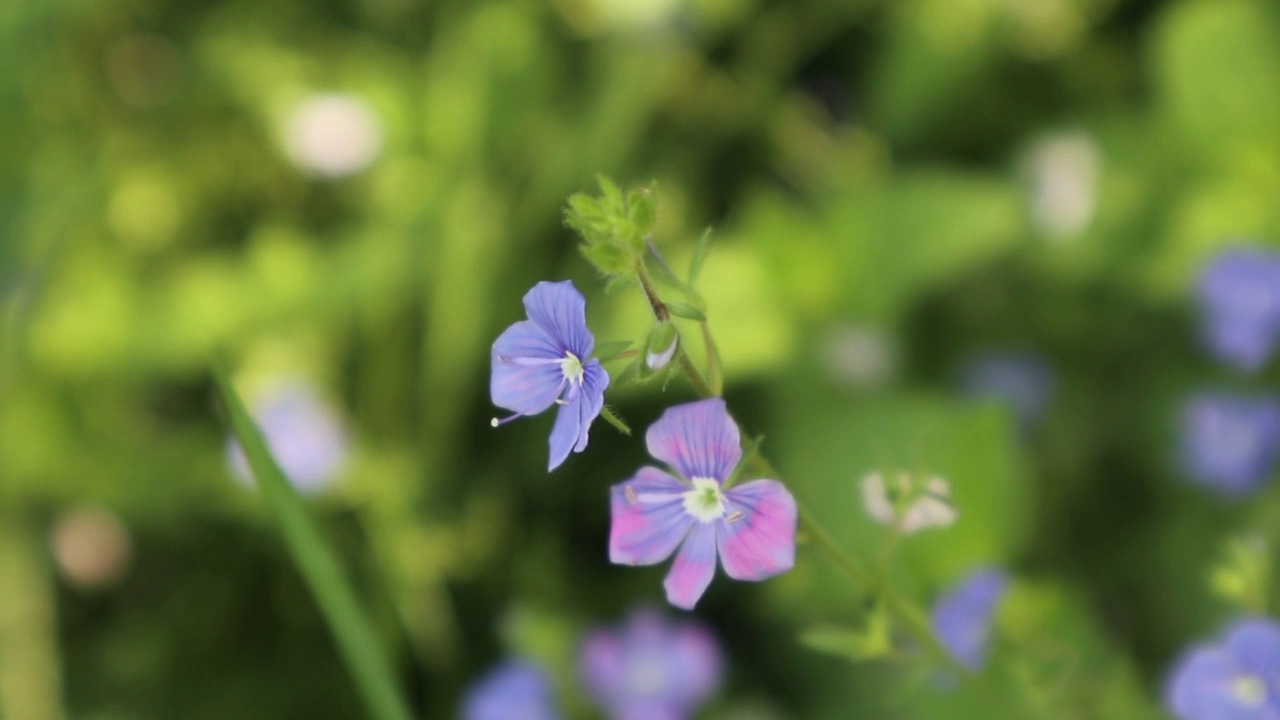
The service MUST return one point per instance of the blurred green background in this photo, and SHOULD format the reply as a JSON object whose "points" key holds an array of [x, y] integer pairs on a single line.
{"points": [[358, 193]]}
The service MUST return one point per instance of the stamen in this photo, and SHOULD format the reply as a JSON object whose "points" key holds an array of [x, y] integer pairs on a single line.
{"points": [[631, 495], [495, 422], [734, 516]]}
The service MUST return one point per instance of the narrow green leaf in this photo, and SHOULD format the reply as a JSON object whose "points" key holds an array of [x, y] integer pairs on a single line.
{"points": [[619, 282], [613, 418], [700, 250], [316, 563], [686, 311], [631, 373], [613, 203], [609, 350]]}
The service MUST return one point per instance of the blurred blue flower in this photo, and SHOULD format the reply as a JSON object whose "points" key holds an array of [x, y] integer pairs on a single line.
{"points": [[752, 527], [1239, 299], [545, 361], [1021, 380], [651, 669], [306, 437], [1236, 678], [513, 690], [963, 616], [1229, 442]]}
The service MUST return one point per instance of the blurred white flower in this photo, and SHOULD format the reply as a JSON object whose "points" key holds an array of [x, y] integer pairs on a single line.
{"points": [[914, 506], [91, 547], [859, 356], [333, 135], [1062, 172], [306, 437]]}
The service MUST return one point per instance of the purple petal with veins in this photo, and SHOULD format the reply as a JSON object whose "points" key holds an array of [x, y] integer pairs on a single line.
{"points": [[695, 564], [757, 536], [699, 439], [649, 519]]}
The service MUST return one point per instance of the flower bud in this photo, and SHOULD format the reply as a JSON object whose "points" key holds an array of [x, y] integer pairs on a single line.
{"points": [[663, 340]]}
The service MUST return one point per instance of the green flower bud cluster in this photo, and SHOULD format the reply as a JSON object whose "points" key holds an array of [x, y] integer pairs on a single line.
{"points": [[613, 226]]}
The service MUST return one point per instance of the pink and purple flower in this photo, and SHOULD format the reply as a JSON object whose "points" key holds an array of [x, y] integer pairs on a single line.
{"points": [[651, 669], [751, 527], [545, 361]]}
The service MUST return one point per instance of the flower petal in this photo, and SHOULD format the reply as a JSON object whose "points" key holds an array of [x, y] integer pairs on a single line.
{"points": [[757, 536], [649, 519], [1256, 643], [699, 439], [695, 564], [1200, 684], [565, 432], [561, 311], [522, 387], [591, 399]]}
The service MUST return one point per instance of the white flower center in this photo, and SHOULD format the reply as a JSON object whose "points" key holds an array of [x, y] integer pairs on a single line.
{"points": [[705, 502], [571, 366], [1249, 690]]}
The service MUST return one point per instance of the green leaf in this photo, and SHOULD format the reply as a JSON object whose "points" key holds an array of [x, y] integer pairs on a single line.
{"points": [[612, 417], [686, 311], [608, 259], [610, 350], [872, 643], [613, 202], [617, 283], [318, 566], [700, 250], [631, 373], [642, 208]]}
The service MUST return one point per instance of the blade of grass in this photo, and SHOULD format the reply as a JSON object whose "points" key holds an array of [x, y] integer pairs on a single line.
{"points": [[319, 568]]}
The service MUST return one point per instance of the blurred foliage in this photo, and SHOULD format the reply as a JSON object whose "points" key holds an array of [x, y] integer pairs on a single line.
{"points": [[869, 166]]}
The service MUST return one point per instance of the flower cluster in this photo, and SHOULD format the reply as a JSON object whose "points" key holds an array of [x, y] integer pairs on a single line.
{"points": [[546, 360], [1237, 676]]}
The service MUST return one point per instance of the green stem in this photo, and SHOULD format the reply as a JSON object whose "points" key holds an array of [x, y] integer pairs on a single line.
{"points": [[662, 314]]}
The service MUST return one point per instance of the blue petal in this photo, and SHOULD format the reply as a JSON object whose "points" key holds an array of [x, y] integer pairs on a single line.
{"points": [[512, 690], [565, 433], [1202, 687], [525, 388], [561, 311], [963, 616], [1256, 643], [573, 421], [591, 399]]}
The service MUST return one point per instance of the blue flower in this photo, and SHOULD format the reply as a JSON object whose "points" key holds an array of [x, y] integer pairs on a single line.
{"points": [[1239, 299], [651, 669], [545, 361], [963, 616], [1236, 678], [306, 437], [512, 691], [1229, 442], [1022, 381]]}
